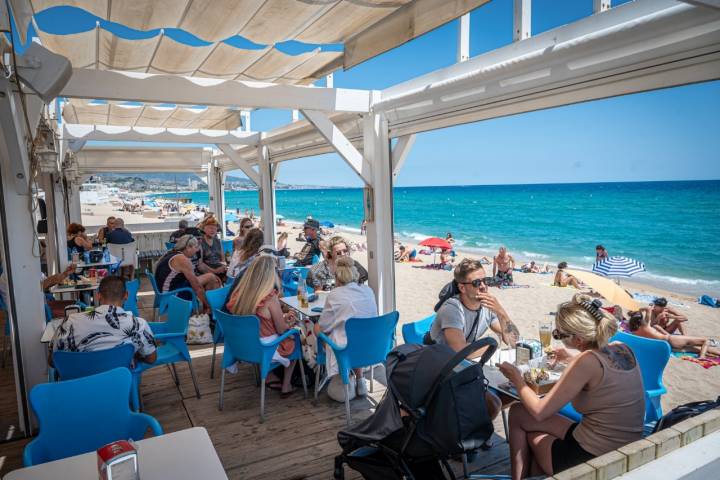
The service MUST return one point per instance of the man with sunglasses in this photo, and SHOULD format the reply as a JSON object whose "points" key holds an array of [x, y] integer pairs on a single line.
{"points": [[466, 316]]}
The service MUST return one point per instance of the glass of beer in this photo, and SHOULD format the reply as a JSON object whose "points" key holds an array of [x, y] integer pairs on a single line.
{"points": [[545, 330]]}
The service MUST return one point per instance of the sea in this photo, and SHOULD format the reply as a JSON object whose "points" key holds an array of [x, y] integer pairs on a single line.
{"points": [[673, 227]]}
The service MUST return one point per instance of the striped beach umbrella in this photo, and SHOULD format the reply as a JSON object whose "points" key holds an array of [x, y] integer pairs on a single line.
{"points": [[618, 267]]}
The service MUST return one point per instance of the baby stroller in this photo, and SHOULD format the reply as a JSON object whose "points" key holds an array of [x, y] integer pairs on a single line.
{"points": [[434, 408]]}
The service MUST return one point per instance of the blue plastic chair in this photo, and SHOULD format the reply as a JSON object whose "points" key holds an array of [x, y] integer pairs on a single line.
{"points": [[130, 305], [161, 298], [72, 365], [169, 245], [369, 340], [413, 333], [227, 246], [652, 356], [290, 278], [82, 415], [242, 335], [216, 300], [229, 280], [172, 333]]}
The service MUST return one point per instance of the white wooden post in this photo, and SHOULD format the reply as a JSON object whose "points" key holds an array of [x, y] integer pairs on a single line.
{"points": [[601, 5], [215, 194], [21, 254], [522, 17], [53, 238], [74, 202], [245, 120], [60, 218], [463, 50], [267, 194], [379, 211]]}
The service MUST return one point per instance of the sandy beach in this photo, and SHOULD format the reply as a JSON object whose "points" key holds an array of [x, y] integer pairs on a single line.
{"points": [[417, 288]]}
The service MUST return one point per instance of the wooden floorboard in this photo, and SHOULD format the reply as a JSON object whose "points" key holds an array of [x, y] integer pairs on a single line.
{"points": [[298, 439]]}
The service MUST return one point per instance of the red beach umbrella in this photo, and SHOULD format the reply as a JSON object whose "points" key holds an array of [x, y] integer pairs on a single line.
{"points": [[435, 242]]}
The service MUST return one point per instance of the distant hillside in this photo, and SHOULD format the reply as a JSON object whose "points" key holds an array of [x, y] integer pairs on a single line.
{"points": [[161, 177]]}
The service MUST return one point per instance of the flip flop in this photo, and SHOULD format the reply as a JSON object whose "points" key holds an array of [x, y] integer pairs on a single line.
{"points": [[274, 385], [287, 394]]}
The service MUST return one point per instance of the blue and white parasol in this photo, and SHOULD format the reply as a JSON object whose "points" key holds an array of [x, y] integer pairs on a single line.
{"points": [[618, 267]]}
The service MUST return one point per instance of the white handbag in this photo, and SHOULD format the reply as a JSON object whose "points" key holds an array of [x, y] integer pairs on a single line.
{"points": [[199, 330]]}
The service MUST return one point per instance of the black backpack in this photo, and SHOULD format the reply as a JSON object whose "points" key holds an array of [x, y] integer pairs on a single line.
{"points": [[683, 412]]}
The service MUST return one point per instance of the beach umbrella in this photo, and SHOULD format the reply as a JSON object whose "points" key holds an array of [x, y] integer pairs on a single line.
{"points": [[435, 242], [612, 292], [327, 224], [618, 267]]}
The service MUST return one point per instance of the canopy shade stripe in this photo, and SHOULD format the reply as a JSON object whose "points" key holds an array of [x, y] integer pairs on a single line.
{"points": [[618, 267], [100, 49], [113, 113]]}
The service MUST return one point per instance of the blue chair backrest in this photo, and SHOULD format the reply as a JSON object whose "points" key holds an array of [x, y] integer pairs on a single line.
{"points": [[169, 245], [652, 356], [370, 339], [227, 246], [216, 298], [290, 277], [132, 287], [413, 333], [229, 280], [242, 335], [81, 415], [178, 314], [152, 281], [71, 365], [315, 259]]}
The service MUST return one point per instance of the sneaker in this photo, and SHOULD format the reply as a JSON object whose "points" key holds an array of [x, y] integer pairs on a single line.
{"points": [[362, 387]]}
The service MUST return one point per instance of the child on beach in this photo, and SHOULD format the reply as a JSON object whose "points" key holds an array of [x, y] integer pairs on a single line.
{"points": [[639, 325]]}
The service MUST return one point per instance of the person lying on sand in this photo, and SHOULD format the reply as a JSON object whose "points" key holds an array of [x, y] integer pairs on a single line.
{"points": [[640, 326], [533, 267], [563, 279], [663, 318]]}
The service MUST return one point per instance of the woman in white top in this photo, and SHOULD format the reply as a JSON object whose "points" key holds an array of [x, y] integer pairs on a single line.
{"points": [[346, 300]]}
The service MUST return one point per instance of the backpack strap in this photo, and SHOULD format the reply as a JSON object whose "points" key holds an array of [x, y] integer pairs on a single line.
{"points": [[473, 329]]}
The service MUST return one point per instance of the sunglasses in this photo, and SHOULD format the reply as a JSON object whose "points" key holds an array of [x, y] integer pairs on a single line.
{"points": [[558, 335], [246, 226], [341, 252], [475, 283]]}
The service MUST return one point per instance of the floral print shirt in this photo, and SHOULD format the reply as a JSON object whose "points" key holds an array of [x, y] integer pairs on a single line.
{"points": [[105, 327]]}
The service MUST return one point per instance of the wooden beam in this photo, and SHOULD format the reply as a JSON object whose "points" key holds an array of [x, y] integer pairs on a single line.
{"points": [[341, 144], [241, 163], [407, 22]]}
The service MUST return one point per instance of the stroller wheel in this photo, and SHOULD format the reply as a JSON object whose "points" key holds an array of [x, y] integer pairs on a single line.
{"points": [[339, 472]]}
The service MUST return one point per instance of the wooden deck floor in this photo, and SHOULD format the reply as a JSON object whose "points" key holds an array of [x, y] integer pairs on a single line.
{"points": [[297, 440]]}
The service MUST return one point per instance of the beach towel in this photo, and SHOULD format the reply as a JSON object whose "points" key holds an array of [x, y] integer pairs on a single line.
{"points": [[644, 298], [709, 301], [514, 285], [706, 362]]}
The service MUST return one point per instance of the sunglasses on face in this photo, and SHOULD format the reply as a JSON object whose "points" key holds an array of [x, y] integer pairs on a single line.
{"points": [[246, 226], [341, 252], [558, 335], [475, 283]]}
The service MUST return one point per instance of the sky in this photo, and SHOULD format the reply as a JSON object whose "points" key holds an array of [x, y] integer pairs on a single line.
{"points": [[661, 135]]}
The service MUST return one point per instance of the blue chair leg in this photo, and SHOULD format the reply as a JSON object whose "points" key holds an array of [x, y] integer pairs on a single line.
{"points": [[347, 403], [194, 380], [222, 388]]}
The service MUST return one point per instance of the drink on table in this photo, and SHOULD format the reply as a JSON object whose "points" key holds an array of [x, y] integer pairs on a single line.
{"points": [[302, 293], [545, 331]]}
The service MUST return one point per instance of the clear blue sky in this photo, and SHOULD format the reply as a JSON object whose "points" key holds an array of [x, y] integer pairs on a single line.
{"points": [[662, 135]]}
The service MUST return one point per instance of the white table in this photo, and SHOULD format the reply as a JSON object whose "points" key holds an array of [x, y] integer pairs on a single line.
{"points": [[91, 286], [293, 303], [184, 455]]}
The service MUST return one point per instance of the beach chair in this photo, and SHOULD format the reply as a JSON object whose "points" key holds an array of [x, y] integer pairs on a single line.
{"points": [[414, 332], [82, 415], [242, 335], [652, 356], [172, 334], [216, 300], [290, 278], [369, 340]]}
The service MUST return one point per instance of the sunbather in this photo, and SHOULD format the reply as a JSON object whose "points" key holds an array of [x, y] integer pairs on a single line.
{"points": [[563, 279], [665, 319], [640, 326]]}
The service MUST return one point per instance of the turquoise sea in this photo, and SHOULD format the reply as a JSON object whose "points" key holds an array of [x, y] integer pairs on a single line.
{"points": [[674, 227]]}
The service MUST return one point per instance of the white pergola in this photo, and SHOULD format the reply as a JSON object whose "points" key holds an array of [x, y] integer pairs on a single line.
{"points": [[638, 46]]}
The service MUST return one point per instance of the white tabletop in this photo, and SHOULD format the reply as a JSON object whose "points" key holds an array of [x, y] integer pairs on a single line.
{"points": [[73, 288], [184, 455], [50, 328], [113, 261], [293, 303]]}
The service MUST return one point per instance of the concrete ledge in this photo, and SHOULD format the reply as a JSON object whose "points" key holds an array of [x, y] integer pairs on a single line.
{"points": [[611, 465], [665, 441], [580, 472], [638, 453]]}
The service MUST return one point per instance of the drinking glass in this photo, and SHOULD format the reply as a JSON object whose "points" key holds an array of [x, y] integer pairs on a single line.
{"points": [[545, 330]]}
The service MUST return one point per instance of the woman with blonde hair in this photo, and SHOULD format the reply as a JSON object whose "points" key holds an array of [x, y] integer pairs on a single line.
{"points": [[603, 383], [346, 300], [257, 294]]}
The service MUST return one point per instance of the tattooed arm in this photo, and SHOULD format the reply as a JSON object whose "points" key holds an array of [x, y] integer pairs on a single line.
{"points": [[504, 327]]}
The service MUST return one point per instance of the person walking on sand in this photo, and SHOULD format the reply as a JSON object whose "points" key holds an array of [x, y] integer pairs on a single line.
{"points": [[503, 265]]}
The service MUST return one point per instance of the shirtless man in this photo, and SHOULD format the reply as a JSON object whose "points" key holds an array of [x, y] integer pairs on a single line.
{"points": [[503, 264], [663, 318]]}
